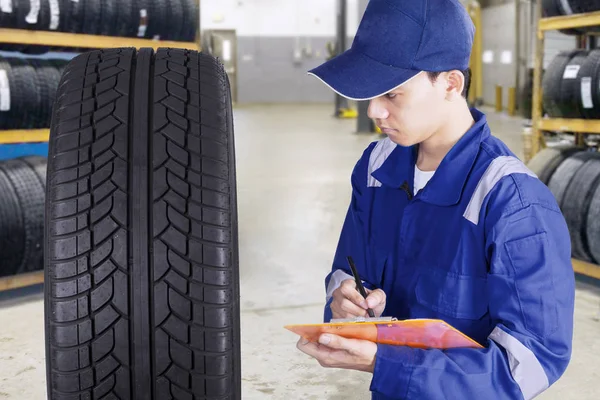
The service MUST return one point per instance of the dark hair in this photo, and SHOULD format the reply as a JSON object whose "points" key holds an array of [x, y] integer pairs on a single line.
{"points": [[467, 73]]}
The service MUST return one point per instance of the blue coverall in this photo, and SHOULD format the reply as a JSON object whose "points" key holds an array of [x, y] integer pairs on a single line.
{"points": [[483, 246]]}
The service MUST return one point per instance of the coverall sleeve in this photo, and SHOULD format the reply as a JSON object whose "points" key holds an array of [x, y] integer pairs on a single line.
{"points": [[531, 292], [353, 240]]}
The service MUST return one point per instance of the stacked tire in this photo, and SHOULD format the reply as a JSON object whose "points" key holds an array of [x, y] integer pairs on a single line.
{"points": [[22, 198], [573, 176], [571, 85], [27, 91], [152, 19], [555, 8]]}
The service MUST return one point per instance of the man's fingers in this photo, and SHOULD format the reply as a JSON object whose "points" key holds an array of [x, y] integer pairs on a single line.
{"points": [[376, 298], [336, 342], [348, 289]]}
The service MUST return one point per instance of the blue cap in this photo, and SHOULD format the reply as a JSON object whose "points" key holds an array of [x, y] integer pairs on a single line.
{"points": [[395, 41]]}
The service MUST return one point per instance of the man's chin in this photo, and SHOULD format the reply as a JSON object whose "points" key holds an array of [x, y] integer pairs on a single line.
{"points": [[400, 140]]}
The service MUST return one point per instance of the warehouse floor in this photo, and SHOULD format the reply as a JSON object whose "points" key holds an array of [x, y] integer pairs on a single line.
{"points": [[294, 164]]}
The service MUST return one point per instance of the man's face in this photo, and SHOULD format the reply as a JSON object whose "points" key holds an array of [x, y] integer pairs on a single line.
{"points": [[411, 113]]}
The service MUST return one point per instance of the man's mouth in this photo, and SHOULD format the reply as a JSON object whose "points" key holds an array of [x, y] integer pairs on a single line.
{"points": [[387, 130]]}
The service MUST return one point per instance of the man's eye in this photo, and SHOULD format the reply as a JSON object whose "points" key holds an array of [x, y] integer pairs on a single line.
{"points": [[391, 95]]}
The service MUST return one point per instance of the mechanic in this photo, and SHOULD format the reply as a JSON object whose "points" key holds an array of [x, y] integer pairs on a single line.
{"points": [[444, 222]]}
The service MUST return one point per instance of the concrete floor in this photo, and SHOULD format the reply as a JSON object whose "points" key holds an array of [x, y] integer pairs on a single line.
{"points": [[293, 171]]}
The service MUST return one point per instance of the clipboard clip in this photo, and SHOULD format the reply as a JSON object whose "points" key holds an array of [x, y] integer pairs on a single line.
{"points": [[363, 320]]}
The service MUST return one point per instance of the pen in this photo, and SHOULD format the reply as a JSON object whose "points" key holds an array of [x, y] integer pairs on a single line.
{"points": [[359, 284]]}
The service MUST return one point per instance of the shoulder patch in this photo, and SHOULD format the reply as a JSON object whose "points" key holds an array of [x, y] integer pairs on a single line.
{"points": [[380, 153], [499, 168]]}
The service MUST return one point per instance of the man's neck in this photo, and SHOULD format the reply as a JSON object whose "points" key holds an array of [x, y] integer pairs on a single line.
{"points": [[433, 150]]}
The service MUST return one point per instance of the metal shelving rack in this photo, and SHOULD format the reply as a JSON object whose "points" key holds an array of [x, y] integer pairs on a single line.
{"points": [[580, 127], [66, 40]]}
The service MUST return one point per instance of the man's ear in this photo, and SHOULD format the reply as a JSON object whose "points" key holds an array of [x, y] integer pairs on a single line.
{"points": [[455, 83]]}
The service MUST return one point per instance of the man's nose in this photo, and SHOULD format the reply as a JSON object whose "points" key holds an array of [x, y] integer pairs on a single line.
{"points": [[377, 109]]}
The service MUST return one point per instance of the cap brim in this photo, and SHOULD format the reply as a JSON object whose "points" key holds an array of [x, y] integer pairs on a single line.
{"points": [[358, 77]]}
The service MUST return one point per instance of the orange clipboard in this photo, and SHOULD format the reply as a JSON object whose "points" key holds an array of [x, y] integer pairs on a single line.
{"points": [[418, 333]]}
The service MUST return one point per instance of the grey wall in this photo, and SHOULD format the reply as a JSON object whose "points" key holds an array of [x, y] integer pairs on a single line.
{"points": [[499, 36], [268, 72]]}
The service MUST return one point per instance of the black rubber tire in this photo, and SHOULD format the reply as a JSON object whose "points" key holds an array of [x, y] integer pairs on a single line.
{"points": [[92, 17], [142, 274], [593, 226], [108, 18], [565, 173], [157, 19], [30, 194], [125, 10], [589, 86], [42, 84], [39, 165], [12, 233], [7, 120], [190, 21], [24, 97], [545, 162], [175, 20], [552, 82], [74, 14], [569, 101], [577, 199]]}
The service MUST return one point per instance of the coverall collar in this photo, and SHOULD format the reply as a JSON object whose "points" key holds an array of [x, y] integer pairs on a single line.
{"points": [[446, 186]]}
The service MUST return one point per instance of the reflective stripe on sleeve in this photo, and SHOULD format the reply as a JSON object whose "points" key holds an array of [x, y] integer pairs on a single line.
{"points": [[525, 368], [498, 169]]}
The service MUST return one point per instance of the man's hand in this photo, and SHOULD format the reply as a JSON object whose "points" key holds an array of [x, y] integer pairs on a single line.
{"points": [[348, 302], [334, 351]]}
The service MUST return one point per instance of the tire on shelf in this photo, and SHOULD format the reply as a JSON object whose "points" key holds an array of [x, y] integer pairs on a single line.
{"points": [[108, 18], [92, 17], [7, 105], [592, 229], [190, 22], [565, 173], [157, 19], [552, 81], [142, 228], [12, 234], [174, 19], [569, 101], [29, 193], [545, 162], [39, 165], [27, 91], [125, 26], [589, 86], [577, 199], [37, 20]]}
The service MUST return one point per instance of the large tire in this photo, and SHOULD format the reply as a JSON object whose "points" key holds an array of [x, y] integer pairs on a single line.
{"points": [[569, 101], [552, 81], [589, 86], [545, 162], [577, 199], [142, 278], [29, 193], [565, 173], [592, 229], [12, 232]]}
